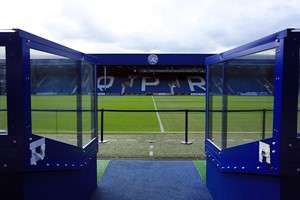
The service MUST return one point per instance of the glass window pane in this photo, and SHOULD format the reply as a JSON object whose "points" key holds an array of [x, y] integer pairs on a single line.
{"points": [[215, 99], [53, 102], [3, 105], [88, 103], [62, 98], [246, 101]]}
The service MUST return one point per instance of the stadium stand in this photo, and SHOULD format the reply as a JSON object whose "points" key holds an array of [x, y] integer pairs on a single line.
{"points": [[54, 81], [126, 82], [151, 85]]}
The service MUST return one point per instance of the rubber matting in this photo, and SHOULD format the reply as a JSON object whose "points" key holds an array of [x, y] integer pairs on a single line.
{"points": [[140, 179]]}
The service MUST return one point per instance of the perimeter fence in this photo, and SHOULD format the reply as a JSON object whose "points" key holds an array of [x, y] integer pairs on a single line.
{"points": [[243, 126], [167, 144]]}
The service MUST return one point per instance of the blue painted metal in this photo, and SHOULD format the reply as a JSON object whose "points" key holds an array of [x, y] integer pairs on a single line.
{"points": [[234, 185], [142, 59], [264, 43], [235, 172], [71, 170], [36, 42]]}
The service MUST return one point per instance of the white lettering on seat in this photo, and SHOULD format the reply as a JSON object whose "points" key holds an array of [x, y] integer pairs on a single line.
{"points": [[131, 78], [108, 85], [192, 84], [145, 83]]}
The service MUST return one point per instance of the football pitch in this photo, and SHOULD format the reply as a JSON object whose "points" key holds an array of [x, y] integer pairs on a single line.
{"points": [[152, 135], [159, 134], [152, 122], [133, 131], [118, 122]]}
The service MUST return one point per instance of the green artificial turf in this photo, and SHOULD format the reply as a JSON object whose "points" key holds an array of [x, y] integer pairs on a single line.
{"points": [[201, 167], [101, 166], [199, 164]]}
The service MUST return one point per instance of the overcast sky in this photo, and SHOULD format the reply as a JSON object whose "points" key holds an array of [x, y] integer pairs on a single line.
{"points": [[159, 26]]}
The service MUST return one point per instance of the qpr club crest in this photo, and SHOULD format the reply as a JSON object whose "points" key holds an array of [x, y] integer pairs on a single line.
{"points": [[152, 59]]}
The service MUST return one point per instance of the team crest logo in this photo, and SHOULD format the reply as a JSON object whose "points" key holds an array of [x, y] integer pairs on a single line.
{"points": [[152, 59]]}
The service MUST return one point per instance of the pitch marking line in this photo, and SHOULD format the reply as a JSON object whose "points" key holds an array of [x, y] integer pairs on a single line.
{"points": [[247, 139], [170, 140], [150, 153], [131, 140], [161, 126]]}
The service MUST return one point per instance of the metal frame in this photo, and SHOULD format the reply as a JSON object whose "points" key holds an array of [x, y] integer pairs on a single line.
{"points": [[241, 163], [142, 59]]}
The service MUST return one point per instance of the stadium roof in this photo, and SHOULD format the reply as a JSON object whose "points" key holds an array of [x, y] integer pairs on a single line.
{"points": [[151, 59]]}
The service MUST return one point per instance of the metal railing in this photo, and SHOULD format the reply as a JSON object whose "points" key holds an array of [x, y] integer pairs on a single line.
{"points": [[186, 121], [186, 126]]}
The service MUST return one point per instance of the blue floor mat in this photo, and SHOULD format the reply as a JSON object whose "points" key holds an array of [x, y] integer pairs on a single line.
{"points": [[139, 179]]}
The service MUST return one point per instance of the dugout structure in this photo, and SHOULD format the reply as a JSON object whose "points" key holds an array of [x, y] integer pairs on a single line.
{"points": [[264, 165], [39, 160]]}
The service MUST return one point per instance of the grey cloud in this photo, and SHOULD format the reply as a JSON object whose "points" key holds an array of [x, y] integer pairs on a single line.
{"points": [[171, 26]]}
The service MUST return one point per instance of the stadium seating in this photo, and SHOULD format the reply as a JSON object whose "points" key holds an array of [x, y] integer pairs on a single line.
{"points": [[152, 85], [181, 84], [55, 85]]}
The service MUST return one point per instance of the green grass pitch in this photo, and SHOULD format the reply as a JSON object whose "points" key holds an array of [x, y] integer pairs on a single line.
{"points": [[242, 127], [175, 122], [139, 122]]}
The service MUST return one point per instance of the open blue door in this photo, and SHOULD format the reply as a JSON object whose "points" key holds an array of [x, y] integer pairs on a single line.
{"points": [[252, 143], [48, 129]]}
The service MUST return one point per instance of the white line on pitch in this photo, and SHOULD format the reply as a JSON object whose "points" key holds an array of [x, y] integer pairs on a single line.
{"points": [[151, 146], [247, 139], [150, 153], [131, 140], [170, 140], [230, 140], [161, 126]]}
